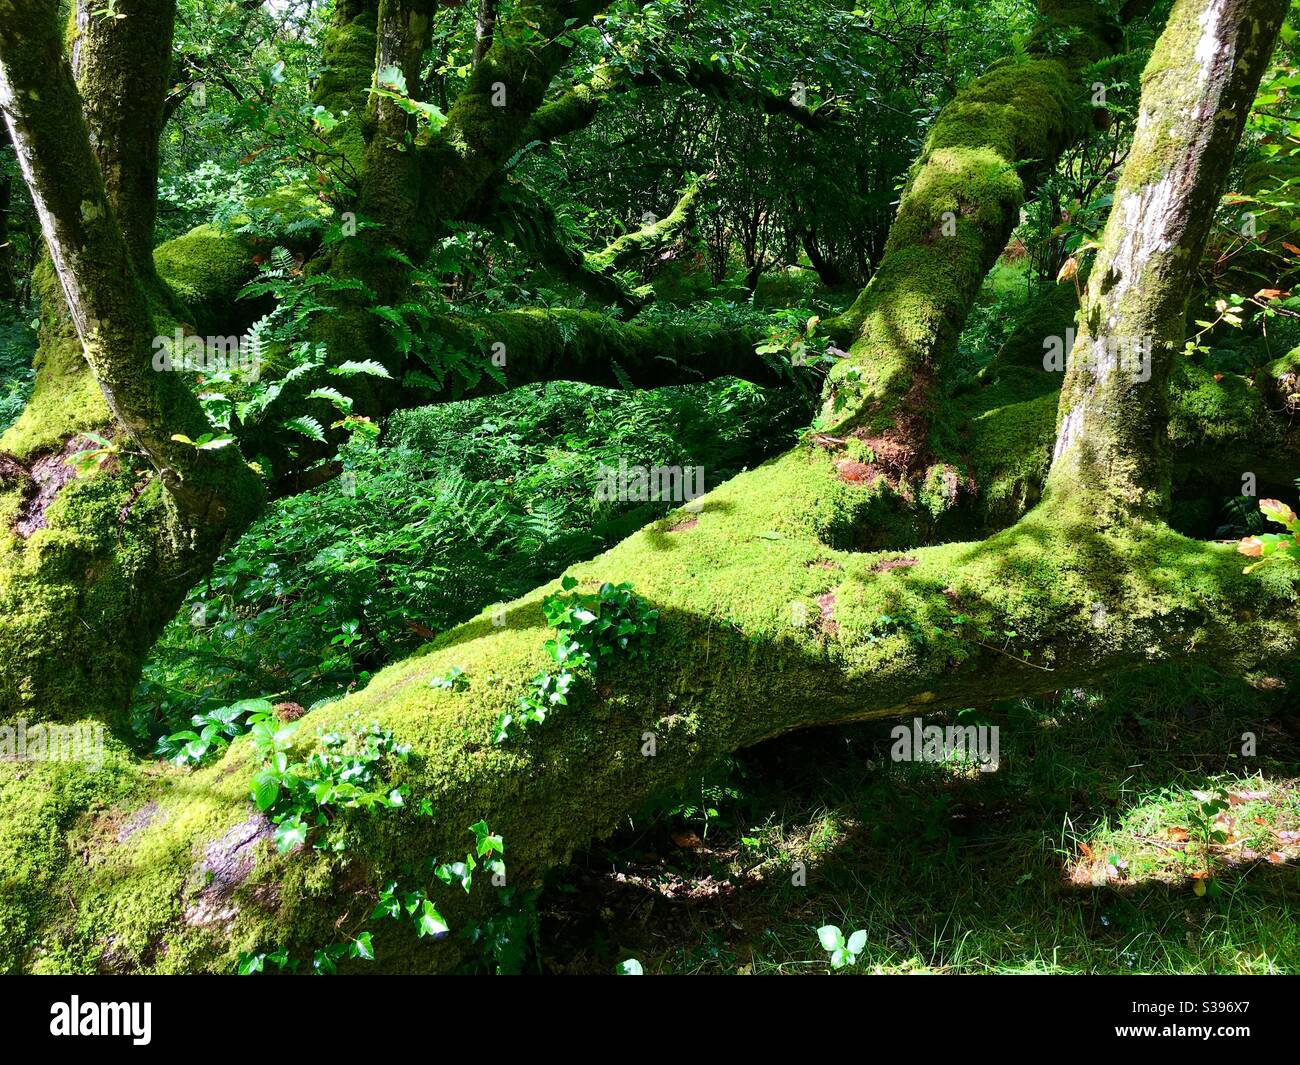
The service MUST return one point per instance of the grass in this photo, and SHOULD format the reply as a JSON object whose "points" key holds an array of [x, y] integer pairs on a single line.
{"points": [[1081, 853]]}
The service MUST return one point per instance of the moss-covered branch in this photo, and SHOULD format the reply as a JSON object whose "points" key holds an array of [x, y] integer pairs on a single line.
{"points": [[986, 148], [577, 106], [655, 235], [517, 213], [566, 345]]}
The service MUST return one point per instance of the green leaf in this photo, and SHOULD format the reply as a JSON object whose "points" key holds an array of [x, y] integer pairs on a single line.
{"points": [[430, 922], [266, 789], [340, 401], [290, 833], [365, 366], [831, 937], [307, 426]]}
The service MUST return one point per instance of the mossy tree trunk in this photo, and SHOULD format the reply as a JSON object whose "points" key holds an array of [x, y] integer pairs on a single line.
{"points": [[81, 606], [986, 150], [1112, 439]]}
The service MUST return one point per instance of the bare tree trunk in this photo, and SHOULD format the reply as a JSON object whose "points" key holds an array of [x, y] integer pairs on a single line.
{"points": [[485, 22]]}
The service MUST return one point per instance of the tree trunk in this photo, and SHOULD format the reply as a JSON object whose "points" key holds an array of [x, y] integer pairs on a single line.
{"points": [[985, 151], [8, 287], [1112, 441], [80, 606]]}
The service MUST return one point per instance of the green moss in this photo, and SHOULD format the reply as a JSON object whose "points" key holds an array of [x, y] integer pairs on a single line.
{"points": [[65, 399], [348, 55], [793, 286], [48, 812], [206, 268], [764, 627], [1206, 412]]}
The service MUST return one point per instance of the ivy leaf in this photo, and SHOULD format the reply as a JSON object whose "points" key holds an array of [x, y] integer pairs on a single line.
{"points": [[290, 833], [430, 922], [831, 937]]}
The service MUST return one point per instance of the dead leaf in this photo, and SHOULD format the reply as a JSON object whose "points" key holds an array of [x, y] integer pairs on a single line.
{"points": [[1238, 797], [1178, 835]]}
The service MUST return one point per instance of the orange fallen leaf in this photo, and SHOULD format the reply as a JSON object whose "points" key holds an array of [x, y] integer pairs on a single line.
{"points": [[1271, 294], [1179, 835]]}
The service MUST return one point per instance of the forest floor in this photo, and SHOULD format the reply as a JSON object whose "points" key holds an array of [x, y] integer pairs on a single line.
{"points": [[1122, 832]]}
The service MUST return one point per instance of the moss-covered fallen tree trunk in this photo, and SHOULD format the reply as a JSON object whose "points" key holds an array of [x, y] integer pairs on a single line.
{"points": [[763, 629]]}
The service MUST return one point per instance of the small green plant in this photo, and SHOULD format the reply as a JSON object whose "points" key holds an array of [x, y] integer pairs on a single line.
{"points": [[588, 627], [1269, 547], [843, 952], [501, 938], [1205, 827], [302, 797], [454, 680], [88, 460], [216, 728]]}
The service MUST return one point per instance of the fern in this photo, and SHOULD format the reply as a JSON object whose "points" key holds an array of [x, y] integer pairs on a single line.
{"points": [[342, 403], [352, 367], [620, 375], [307, 426]]}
